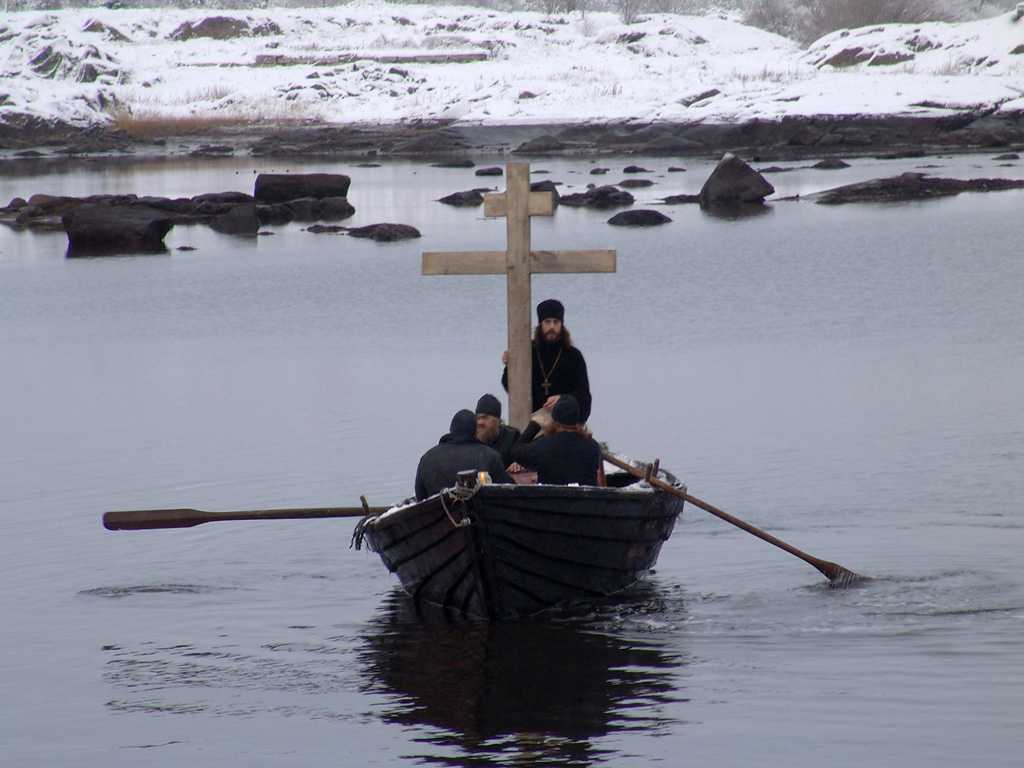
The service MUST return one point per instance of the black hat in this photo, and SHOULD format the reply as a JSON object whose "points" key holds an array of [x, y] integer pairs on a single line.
{"points": [[566, 411], [463, 425], [550, 308], [489, 405]]}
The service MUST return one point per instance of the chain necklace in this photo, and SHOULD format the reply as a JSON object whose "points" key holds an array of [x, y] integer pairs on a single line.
{"points": [[546, 384]]}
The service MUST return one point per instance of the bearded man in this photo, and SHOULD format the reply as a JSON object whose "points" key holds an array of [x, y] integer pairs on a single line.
{"points": [[558, 367], [492, 433]]}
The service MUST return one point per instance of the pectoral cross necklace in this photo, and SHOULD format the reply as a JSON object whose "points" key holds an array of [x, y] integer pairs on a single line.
{"points": [[546, 384]]}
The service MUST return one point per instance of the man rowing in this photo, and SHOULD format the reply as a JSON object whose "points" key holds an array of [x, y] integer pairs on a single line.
{"points": [[558, 367], [457, 451]]}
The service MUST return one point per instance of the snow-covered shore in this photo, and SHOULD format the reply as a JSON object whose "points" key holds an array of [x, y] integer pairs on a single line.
{"points": [[388, 64]]}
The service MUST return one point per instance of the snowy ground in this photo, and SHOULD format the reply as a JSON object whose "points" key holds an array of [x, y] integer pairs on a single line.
{"points": [[366, 63]]}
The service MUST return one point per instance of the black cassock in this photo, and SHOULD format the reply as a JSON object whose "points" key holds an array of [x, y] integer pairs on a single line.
{"points": [[566, 375]]}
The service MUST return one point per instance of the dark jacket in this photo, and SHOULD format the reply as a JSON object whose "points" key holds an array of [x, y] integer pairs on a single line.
{"points": [[439, 467], [567, 377], [504, 442], [561, 458]]}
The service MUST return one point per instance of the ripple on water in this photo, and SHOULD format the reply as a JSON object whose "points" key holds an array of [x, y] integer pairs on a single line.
{"points": [[150, 589]]}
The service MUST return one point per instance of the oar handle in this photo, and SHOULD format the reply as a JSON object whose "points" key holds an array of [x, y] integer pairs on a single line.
{"points": [[831, 570], [145, 519]]}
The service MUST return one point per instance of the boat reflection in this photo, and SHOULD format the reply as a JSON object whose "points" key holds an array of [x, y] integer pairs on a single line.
{"points": [[537, 692]]}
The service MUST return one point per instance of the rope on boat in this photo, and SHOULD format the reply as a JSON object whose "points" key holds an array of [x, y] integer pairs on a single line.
{"points": [[358, 533], [460, 494]]}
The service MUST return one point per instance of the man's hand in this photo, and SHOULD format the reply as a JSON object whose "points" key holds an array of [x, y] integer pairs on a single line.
{"points": [[550, 402], [515, 466], [504, 357]]}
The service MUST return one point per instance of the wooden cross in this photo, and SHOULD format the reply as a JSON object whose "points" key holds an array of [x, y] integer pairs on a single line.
{"points": [[517, 204]]}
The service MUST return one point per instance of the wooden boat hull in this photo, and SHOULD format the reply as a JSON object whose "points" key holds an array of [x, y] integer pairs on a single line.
{"points": [[511, 551]]}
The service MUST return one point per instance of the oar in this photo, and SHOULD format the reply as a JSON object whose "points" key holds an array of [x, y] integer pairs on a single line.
{"points": [[835, 573], [142, 519]]}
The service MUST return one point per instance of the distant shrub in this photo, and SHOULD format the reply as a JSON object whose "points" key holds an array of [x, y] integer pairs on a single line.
{"points": [[807, 20]]}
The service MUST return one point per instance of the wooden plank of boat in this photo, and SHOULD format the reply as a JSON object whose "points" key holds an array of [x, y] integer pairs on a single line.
{"points": [[505, 551]]}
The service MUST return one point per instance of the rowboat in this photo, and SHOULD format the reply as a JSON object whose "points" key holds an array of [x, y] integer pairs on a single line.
{"points": [[507, 551]]}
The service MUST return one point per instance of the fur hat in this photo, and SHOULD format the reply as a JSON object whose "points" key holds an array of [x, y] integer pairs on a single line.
{"points": [[490, 405], [566, 411], [550, 308]]}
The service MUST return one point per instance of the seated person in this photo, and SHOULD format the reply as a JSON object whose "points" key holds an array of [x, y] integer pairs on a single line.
{"points": [[457, 451], [568, 455], [491, 432]]}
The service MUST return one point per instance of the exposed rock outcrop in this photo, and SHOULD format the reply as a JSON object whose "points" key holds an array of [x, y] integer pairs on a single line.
{"points": [[909, 186], [734, 182], [639, 218], [386, 232], [96, 229], [282, 187]]}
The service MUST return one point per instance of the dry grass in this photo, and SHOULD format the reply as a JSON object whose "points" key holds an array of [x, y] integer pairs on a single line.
{"points": [[153, 123], [768, 75]]}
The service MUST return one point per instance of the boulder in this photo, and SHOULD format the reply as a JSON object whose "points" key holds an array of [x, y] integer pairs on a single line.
{"points": [[547, 186], [635, 183], [830, 164], [1007, 156], [278, 214], [909, 186], [385, 233], [223, 28], [222, 197], [732, 182], [635, 169], [464, 163], [97, 229], [333, 208], [638, 218], [283, 187], [680, 199], [540, 145], [465, 199], [329, 229], [599, 171], [600, 198], [111, 33], [322, 209], [490, 171], [240, 219]]}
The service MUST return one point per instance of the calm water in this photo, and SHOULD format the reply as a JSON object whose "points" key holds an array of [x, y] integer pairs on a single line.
{"points": [[848, 378]]}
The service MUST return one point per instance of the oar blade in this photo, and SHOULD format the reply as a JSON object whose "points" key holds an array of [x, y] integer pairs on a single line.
{"points": [[147, 519]]}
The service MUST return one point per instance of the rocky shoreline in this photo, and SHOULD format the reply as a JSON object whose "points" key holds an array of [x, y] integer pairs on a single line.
{"points": [[28, 140]]}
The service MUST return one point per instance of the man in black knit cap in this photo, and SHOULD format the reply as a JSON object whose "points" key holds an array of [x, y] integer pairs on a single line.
{"points": [[568, 455], [558, 367], [457, 451], [491, 432]]}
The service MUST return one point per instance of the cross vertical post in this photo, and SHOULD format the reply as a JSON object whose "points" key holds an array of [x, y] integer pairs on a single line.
{"points": [[517, 265]]}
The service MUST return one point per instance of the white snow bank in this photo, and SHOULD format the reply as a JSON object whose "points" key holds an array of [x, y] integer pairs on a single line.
{"points": [[379, 63]]}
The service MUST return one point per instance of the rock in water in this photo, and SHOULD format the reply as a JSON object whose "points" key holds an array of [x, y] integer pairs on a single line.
{"points": [[909, 186], [601, 198], [638, 218], [463, 199], [830, 164], [546, 186], [282, 187], [734, 182], [385, 233], [240, 219], [96, 230]]}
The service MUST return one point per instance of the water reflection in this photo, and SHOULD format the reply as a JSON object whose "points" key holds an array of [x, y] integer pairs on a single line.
{"points": [[521, 693]]}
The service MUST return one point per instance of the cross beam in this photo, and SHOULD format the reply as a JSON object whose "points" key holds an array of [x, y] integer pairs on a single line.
{"points": [[517, 204]]}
